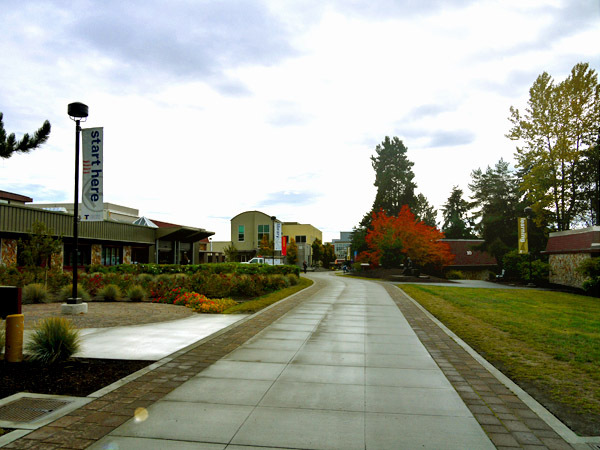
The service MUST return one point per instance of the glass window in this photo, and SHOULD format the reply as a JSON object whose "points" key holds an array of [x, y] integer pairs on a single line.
{"points": [[263, 230], [241, 233], [111, 256], [300, 239]]}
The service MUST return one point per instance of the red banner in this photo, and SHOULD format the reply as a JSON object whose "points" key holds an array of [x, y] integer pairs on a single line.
{"points": [[283, 245]]}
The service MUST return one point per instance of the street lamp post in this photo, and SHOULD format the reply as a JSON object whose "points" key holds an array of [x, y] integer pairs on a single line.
{"points": [[77, 111], [273, 219], [529, 212]]}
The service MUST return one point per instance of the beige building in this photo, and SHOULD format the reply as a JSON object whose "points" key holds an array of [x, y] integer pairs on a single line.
{"points": [[249, 227]]}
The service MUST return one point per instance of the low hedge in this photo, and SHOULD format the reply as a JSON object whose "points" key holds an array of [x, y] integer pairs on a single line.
{"points": [[190, 269]]}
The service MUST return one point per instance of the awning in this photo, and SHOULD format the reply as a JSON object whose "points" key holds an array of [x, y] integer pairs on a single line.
{"points": [[182, 234]]}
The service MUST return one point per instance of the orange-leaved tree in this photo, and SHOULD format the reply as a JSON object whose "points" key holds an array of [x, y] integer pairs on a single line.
{"points": [[393, 238]]}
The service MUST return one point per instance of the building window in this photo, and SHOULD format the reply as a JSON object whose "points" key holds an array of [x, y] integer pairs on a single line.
{"points": [[300, 239], [263, 230], [111, 256], [241, 233]]}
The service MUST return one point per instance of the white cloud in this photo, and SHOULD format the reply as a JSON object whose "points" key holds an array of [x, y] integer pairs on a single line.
{"points": [[214, 108]]}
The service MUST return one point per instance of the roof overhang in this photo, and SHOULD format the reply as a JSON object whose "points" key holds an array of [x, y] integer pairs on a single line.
{"points": [[182, 234]]}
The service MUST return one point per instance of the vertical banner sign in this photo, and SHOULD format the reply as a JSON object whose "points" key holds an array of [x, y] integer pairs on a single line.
{"points": [[284, 246], [277, 237], [93, 165], [523, 244]]}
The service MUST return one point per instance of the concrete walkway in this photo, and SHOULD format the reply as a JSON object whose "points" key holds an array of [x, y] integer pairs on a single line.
{"points": [[344, 370], [152, 341], [345, 364]]}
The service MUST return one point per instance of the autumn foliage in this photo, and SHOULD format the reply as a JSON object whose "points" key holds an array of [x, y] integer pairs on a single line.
{"points": [[391, 239]]}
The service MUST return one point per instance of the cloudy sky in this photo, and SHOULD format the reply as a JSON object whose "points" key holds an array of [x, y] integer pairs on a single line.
{"points": [[214, 107]]}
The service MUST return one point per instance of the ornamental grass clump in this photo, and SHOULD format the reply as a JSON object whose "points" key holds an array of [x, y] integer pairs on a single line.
{"points": [[55, 339], [136, 293], [293, 280], [35, 293], [110, 293], [66, 293]]}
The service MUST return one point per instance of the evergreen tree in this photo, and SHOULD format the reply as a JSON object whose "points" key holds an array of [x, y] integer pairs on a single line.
{"points": [[424, 211], [497, 205], [393, 177], [9, 144], [456, 224]]}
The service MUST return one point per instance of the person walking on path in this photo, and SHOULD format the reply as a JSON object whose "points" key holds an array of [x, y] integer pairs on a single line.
{"points": [[304, 266]]}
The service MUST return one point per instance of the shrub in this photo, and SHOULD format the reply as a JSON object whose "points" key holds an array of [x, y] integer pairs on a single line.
{"points": [[246, 286], [170, 296], [276, 282], [57, 279], [66, 292], [591, 268], [110, 292], [516, 267], [539, 271], [55, 339], [293, 280], [202, 304], [144, 280], [136, 293], [455, 275], [93, 282], [35, 293]]}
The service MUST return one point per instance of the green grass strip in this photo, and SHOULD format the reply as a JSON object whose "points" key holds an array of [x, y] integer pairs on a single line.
{"points": [[259, 303], [548, 339]]}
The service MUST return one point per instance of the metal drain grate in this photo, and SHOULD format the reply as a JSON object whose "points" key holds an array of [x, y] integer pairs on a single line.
{"points": [[27, 409]]}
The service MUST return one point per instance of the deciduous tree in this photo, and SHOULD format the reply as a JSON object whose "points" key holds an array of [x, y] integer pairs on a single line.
{"points": [[393, 238], [328, 254], [317, 251], [292, 252], [556, 132]]}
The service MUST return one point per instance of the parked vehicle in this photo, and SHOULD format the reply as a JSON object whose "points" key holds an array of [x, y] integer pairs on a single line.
{"points": [[267, 260]]}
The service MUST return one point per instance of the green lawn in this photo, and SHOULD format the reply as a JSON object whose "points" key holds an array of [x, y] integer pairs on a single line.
{"points": [[550, 339], [259, 303]]}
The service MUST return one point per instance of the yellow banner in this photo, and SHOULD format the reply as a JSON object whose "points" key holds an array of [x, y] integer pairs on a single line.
{"points": [[523, 244]]}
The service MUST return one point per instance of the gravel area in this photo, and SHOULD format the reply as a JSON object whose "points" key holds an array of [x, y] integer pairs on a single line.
{"points": [[108, 314]]}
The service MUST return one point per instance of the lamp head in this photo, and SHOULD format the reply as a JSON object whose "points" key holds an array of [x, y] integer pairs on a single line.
{"points": [[77, 111], [528, 211]]}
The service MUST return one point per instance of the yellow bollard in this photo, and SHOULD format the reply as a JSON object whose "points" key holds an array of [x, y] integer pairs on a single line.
{"points": [[15, 324]]}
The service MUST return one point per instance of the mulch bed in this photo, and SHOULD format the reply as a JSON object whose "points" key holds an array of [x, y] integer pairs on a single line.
{"points": [[78, 377]]}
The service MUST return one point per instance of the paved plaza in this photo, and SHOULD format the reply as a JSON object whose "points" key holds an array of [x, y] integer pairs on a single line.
{"points": [[345, 364]]}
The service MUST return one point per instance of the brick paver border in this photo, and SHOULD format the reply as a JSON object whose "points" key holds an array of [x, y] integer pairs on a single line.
{"points": [[508, 421]]}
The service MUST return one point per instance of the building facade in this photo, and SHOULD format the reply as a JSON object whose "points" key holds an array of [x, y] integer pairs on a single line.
{"points": [[342, 246], [566, 251], [107, 242], [249, 227], [475, 264]]}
